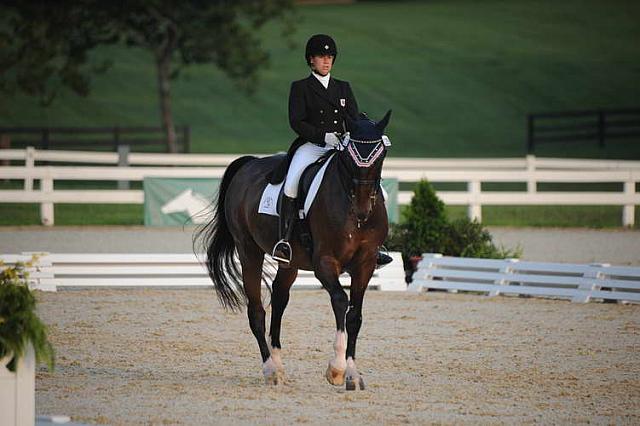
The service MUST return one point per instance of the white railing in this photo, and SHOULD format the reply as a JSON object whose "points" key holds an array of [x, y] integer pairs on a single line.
{"points": [[579, 283], [52, 271], [30, 156], [473, 172]]}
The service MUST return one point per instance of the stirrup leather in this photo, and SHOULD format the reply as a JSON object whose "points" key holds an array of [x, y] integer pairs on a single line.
{"points": [[285, 249]]}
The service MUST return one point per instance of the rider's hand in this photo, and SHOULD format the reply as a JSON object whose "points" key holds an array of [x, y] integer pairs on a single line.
{"points": [[331, 139]]}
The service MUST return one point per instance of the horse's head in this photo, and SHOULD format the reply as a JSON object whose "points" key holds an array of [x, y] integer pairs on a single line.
{"points": [[365, 147]]}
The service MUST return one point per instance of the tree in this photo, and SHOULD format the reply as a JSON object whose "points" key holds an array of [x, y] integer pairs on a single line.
{"points": [[48, 42]]}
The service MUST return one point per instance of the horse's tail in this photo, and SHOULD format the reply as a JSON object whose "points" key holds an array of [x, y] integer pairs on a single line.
{"points": [[214, 238]]}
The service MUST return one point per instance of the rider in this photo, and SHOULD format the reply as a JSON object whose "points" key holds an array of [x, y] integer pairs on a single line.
{"points": [[318, 107]]}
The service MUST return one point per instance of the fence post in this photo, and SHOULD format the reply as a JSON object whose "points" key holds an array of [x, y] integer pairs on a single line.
{"points": [[29, 163], [45, 138], [474, 210], [628, 210], [46, 207], [123, 161], [530, 147], [601, 128], [531, 169], [116, 137], [5, 143]]}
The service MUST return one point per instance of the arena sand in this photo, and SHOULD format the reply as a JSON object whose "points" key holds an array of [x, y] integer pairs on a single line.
{"points": [[176, 357]]}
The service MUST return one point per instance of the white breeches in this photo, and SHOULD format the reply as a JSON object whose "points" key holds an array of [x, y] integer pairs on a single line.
{"points": [[305, 155]]}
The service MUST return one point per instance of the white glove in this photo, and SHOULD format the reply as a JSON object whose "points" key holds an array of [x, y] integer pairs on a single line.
{"points": [[331, 139]]}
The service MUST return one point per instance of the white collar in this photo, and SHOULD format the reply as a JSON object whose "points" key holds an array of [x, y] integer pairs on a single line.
{"points": [[322, 79]]}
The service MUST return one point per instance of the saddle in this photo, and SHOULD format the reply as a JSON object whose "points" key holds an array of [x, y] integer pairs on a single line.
{"points": [[301, 230]]}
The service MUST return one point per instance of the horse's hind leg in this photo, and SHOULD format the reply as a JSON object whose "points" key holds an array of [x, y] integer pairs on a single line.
{"points": [[251, 259], [281, 285], [327, 270]]}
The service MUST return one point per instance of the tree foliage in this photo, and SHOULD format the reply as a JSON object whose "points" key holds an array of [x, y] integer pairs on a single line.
{"points": [[44, 46]]}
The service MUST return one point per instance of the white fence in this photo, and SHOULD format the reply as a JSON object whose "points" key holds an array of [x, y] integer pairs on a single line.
{"points": [[17, 391], [472, 172], [53, 271], [580, 283]]}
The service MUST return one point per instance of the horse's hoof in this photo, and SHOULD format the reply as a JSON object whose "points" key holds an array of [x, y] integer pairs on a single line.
{"points": [[335, 376], [276, 378], [351, 381], [273, 373]]}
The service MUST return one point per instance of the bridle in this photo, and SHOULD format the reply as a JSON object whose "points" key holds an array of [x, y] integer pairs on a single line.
{"points": [[376, 151]]}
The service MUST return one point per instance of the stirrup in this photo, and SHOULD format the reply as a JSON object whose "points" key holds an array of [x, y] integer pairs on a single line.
{"points": [[287, 247]]}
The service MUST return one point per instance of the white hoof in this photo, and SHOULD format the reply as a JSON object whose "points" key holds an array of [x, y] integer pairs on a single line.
{"points": [[334, 375], [272, 374]]}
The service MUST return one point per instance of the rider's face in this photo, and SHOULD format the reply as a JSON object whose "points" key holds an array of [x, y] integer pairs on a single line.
{"points": [[322, 64]]}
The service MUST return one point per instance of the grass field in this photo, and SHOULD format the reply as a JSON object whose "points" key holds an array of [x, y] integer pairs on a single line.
{"points": [[459, 75]]}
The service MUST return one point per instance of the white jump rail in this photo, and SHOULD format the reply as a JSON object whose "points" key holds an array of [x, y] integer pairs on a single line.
{"points": [[53, 271], [577, 282]]}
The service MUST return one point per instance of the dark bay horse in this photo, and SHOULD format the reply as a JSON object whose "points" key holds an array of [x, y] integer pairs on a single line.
{"points": [[348, 224]]}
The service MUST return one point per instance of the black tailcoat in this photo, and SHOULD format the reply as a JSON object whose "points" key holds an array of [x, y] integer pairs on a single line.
{"points": [[314, 111]]}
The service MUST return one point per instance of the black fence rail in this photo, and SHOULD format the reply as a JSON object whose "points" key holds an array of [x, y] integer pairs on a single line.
{"points": [[597, 125], [93, 138]]}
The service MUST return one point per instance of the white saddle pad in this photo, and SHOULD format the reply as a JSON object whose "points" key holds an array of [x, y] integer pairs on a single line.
{"points": [[269, 199]]}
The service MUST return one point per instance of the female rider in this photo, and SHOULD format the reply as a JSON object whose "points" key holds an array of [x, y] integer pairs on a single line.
{"points": [[318, 107]]}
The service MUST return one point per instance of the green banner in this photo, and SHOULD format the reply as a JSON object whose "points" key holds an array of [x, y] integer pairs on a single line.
{"points": [[391, 186], [178, 201], [181, 201]]}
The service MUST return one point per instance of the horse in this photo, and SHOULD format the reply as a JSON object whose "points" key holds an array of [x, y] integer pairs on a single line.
{"points": [[347, 222]]}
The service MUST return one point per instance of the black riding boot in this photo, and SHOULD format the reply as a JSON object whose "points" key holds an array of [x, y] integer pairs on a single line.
{"points": [[282, 250], [382, 259]]}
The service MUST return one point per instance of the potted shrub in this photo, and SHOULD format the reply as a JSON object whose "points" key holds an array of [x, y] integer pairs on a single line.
{"points": [[425, 228], [19, 323]]}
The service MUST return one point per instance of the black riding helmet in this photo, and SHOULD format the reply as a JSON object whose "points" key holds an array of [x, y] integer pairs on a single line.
{"points": [[320, 44]]}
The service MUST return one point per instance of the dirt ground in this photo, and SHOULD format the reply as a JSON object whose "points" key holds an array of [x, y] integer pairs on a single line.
{"points": [[175, 357]]}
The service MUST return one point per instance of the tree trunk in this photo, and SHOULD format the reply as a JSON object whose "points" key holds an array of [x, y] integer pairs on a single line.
{"points": [[163, 63]]}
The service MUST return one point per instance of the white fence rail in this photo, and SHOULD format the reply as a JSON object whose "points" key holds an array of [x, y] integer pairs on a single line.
{"points": [[579, 283], [53, 271], [473, 172], [30, 156]]}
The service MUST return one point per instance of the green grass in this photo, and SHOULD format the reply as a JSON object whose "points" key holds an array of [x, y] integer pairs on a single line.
{"points": [[73, 214], [460, 76]]}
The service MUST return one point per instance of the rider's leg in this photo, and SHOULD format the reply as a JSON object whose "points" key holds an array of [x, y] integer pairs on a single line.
{"points": [[305, 155]]}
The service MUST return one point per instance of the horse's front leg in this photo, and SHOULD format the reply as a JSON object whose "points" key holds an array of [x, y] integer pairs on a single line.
{"points": [[359, 282], [327, 270]]}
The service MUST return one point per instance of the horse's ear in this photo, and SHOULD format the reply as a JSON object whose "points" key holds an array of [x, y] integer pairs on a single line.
{"points": [[382, 124]]}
